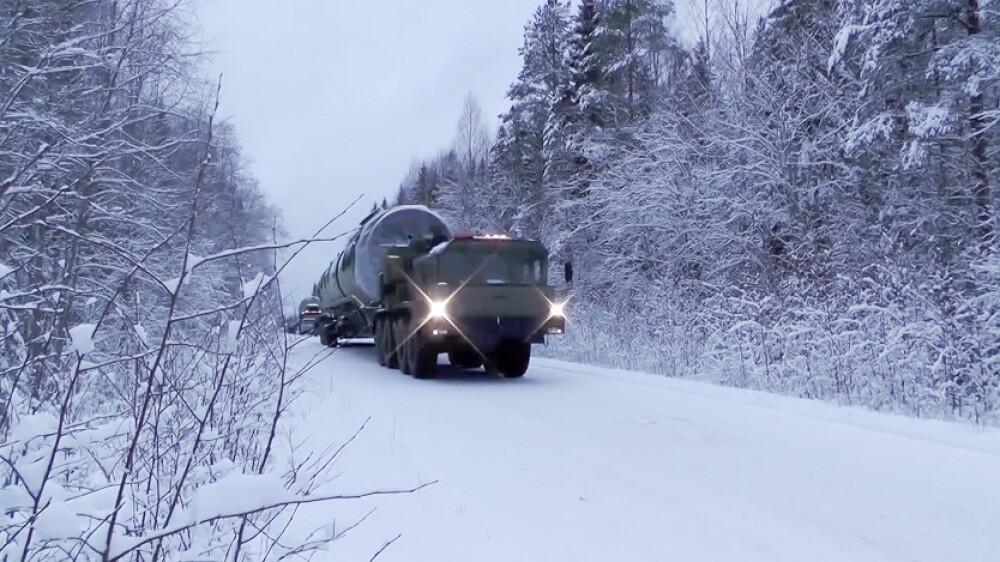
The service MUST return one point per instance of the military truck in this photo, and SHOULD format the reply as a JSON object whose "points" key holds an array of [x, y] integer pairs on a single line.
{"points": [[405, 280], [308, 313]]}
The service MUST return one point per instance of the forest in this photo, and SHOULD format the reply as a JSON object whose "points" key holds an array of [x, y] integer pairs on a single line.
{"points": [[803, 202], [138, 301]]}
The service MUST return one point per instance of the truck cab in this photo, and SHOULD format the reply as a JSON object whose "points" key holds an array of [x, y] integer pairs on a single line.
{"points": [[483, 300], [309, 311]]}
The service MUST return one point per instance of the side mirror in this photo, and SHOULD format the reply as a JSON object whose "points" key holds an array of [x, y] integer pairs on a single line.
{"points": [[568, 272]]}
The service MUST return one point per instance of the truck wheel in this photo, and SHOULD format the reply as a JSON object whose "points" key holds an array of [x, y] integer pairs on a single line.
{"points": [[421, 357], [491, 364], [324, 335], [404, 343], [423, 360], [389, 335], [318, 330], [380, 351], [513, 358]]}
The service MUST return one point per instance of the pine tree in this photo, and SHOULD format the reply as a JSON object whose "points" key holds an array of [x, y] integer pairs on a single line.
{"points": [[585, 91], [798, 109], [929, 67], [631, 41], [699, 82], [426, 192], [588, 99], [534, 139], [511, 159], [930, 71]]}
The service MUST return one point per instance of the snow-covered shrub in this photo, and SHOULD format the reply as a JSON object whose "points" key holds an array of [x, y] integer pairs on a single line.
{"points": [[642, 335], [168, 453], [895, 350]]}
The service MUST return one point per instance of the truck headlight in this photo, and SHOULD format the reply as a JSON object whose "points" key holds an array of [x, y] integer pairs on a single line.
{"points": [[557, 310], [439, 310]]}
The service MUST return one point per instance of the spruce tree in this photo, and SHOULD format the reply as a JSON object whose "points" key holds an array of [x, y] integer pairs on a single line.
{"points": [[537, 97], [631, 40]]}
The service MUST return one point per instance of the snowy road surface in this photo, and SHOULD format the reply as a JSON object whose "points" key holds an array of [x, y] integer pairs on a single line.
{"points": [[578, 463]]}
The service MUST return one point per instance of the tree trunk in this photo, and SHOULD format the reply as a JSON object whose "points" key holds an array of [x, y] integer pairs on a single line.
{"points": [[982, 198]]}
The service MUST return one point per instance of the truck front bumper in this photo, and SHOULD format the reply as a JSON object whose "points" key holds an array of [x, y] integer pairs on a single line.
{"points": [[487, 333]]}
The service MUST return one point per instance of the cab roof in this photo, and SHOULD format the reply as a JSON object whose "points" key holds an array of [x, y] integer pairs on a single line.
{"points": [[468, 241]]}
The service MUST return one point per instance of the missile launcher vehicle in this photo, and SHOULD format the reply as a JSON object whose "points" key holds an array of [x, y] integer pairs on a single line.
{"points": [[420, 291], [308, 312]]}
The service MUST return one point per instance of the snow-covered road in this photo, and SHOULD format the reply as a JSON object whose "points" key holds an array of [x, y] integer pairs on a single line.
{"points": [[577, 463]]}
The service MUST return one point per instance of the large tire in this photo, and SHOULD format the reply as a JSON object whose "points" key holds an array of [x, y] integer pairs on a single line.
{"points": [[403, 343], [380, 347], [327, 336], [423, 360], [391, 353], [491, 364], [513, 358]]}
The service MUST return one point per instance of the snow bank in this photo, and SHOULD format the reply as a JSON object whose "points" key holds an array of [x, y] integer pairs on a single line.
{"points": [[237, 493], [173, 285], [33, 426], [230, 496], [82, 338], [57, 521], [251, 287]]}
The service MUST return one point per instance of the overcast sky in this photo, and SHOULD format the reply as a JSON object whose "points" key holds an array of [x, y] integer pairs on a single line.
{"points": [[333, 99]]}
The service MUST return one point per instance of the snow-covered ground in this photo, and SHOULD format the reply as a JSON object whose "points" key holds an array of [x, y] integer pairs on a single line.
{"points": [[578, 463]]}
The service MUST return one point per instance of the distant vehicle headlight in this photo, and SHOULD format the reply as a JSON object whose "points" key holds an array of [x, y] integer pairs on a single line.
{"points": [[439, 310]]}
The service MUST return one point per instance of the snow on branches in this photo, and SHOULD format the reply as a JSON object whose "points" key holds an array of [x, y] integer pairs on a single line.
{"points": [[144, 366], [804, 204]]}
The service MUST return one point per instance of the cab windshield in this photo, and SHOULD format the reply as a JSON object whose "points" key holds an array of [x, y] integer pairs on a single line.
{"points": [[493, 266]]}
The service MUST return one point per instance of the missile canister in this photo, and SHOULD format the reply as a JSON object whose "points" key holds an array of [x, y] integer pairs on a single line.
{"points": [[353, 278]]}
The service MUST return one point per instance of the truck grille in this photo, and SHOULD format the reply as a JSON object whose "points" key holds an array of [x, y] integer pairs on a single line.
{"points": [[487, 331]]}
